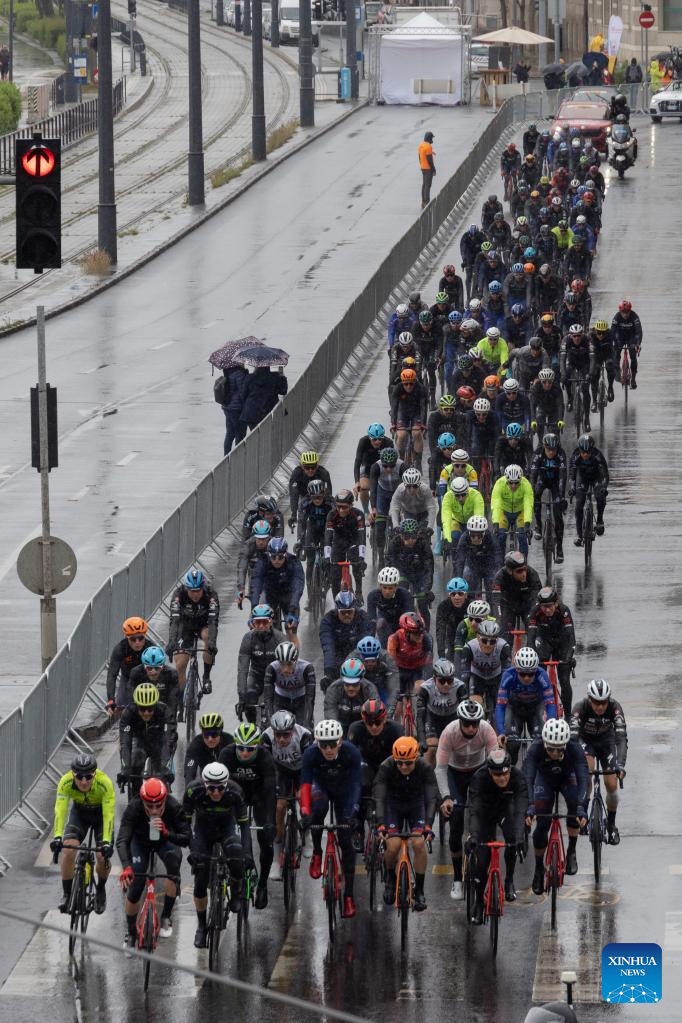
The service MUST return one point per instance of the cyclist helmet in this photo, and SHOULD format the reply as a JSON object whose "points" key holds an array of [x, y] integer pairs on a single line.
{"points": [[135, 627], [517, 268], [369, 647], [409, 527], [586, 442], [315, 488], [282, 721], [411, 621], [310, 458], [408, 376], [577, 284], [194, 579], [455, 316], [470, 323], [414, 298], [211, 720], [513, 473], [515, 559], [84, 763], [494, 288], [405, 748], [466, 393], [145, 695], [459, 455], [153, 657], [546, 375], [470, 711], [498, 761], [521, 221], [478, 609], [465, 362], [535, 342], [446, 440], [412, 477], [345, 600], [625, 306], [247, 734], [441, 297], [556, 202], [457, 585], [601, 326], [449, 270], [526, 659], [590, 186], [598, 689], [388, 576], [442, 668], [580, 220], [262, 528], [482, 404], [492, 199], [530, 253], [473, 229], [373, 711], [550, 441], [491, 381], [262, 611], [153, 790], [375, 430], [286, 653], [343, 497], [517, 309], [513, 431], [477, 524], [571, 299], [215, 774], [459, 485], [510, 386], [486, 247], [328, 730], [425, 317], [492, 333], [388, 456], [277, 545], [402, 310], [556, 733], [511, 148], [492, 256], [352, 670], [575, 329], [489, 629], [405, 339], [547, 319], [529, 268], [547, 595]]}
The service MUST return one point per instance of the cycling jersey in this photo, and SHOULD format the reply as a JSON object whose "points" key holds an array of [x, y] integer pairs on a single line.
{"points": [[454, 514], [166, 682], [409, 408], [289, 758], [487, 664], [275, 519], [505, 501], [299, 684], [394, 791], [489, 804], [470, 475], [134, 829], [256, 651], [514, 692], [430, 700], [591, 470], [542, 772], [374, 748], [409, 655], [99, 798], [312, 521], [415, 503], [384, 478], [152, 735], [366, 454], [387, 610], [122, 661], [198, 755], [555, 631], [256, 777], [448, 618], [298, 485], [343, 532], [280, 584], [186, 614], [462, 753], [516, 410], [248, 555], [549, 472], [340, 778], [340, 706], [339, 638], [496, 356], [414, 563], [215, 817], [596, 728]]}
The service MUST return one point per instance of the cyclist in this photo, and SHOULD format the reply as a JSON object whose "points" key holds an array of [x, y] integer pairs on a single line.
{"points": [[482, 661], [374, 736], [441, 420], [450, 613], [428, 335], [482, 428], [152, 820], [512, 501], [513, 448], [626, 330], [555, 763], [549, 333], [380, 668], [469, 245], [463, 747], [494, 310], [405, 355], [512, 405], [460, 503], [252, 767], [125, 656], [412, 499], [491, 206], [388, 602], [494, 351], [216, 804], [510, 165], [289, 684], [598, 723], [279, 581], [476, 556], [525, 697], [409, 405], [368, 452], [527, 361], [411, 647], [256, 651], [498, 797], [459, 467], [154, 669], [313, 512], [265, 508], [477, 611], [332, 773], [306, 471], [546, 403], [587, 468], [406, 794], [90, 794], [517, 326], [287, 741], [144, 733], [551, 634], [437, 701], [340, 631], [602, 344], [206, 747], [344, 698], [253, 550], [410, 552], [194, 614], [516, 586], [384, 477], [577, 360], [548, 472], [345, 540], [400, 321]]}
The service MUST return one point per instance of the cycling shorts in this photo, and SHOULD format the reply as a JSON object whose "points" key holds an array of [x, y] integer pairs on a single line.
{"points": [[410, 423], [435, 723], [81, 820], [603, 750], [287, 783], [398, 813]]}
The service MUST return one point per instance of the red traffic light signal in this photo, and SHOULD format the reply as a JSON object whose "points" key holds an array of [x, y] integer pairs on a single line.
{"points": [[38, 203], [38, 161]]}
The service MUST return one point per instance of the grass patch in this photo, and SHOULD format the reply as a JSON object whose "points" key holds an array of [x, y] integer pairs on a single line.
{"points": [[275, 139], [96, 262], [281, 135], [131, 231], [223, 175]]}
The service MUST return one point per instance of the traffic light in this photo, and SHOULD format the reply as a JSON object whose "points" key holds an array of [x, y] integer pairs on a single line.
{"points": [[38, 203]]}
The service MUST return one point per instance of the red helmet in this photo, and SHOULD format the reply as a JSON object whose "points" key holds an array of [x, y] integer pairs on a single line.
{"points": [[577, 286], [449, 270], [625, 306], [153, 790], [373, 711], [588, 198], [411, 621], [511, 148], [466, 393]]}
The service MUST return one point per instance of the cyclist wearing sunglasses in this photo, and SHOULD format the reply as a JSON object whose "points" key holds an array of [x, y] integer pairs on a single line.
{"points": [[313, 511], [450, 613], [279, 581], [483, 660], [287, 741], [308, 469], [125, 656], [345, 696], [345, 539], [476, 557], [155, 669], [256, 651], [437, 701], [290, 685], [194, 614], [144, 732], [90, 794], [374, 736], [552, 634], [409, 407], [341, 630], [265, 508], [252, 550], [477, 611], [525, 697], [516, 585], [206, 747], [380, 669]]}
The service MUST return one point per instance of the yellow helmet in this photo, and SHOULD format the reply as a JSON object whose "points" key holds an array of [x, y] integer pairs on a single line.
{"points": [[145, 695], [310, 458], [601, 325]]}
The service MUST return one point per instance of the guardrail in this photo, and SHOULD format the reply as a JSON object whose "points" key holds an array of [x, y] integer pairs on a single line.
{"points": [[32, 734]]}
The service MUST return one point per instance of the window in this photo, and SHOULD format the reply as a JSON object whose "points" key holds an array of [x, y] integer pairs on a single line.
{"points": [[671, 20]]}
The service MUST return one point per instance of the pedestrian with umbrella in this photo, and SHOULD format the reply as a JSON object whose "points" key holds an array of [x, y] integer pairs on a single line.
{"points": [[263, 387], [553, 75], [229, 390]]}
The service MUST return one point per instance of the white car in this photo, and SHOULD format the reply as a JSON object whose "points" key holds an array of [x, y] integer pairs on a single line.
{"points": [[667, 102]]}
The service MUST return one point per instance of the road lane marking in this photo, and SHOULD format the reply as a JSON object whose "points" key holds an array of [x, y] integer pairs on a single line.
{"points": [[80, 493], [171, 426], [675, 869], [127, 459], [165, 344]]}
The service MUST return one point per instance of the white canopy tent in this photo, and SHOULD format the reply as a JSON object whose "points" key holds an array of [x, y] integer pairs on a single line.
{"points": [[422, 61]]}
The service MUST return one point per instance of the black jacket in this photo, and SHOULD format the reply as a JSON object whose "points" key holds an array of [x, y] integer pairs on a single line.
{"points": [[261, 395], [489, 804], [135, 824]]}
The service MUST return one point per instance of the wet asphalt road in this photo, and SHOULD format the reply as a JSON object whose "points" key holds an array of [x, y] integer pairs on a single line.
{"points": [[627, 612]]}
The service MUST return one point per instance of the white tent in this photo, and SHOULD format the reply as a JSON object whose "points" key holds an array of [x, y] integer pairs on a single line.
{"points": [[422, 61]]}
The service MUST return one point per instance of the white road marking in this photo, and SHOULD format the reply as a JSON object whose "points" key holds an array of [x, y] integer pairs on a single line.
{"points": [[87, 372], [127, 459], [80, 493], [171, 426], [165, 344]]}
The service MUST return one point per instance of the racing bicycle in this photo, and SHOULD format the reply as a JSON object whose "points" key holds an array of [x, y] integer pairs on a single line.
{"points": [[82, 899]]}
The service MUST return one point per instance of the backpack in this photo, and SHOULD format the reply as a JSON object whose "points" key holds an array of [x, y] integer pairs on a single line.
{"points": [[221, 390]]}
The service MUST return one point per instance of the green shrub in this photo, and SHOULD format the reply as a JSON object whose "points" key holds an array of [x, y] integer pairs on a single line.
{"points": [[60, 46], [10, 107]]}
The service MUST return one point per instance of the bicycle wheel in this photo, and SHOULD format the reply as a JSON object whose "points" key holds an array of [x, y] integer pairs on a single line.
{"points": [[553, 885], [314, 593], [596, 838], [469, 886], [548, 541], [602, 401], [191, 701], [213, 927], [77, 899], [578, 408], [147, 943], [289, 862], [588, 529], [403, 903], [494, 919], [373, 867], [329, 889]]}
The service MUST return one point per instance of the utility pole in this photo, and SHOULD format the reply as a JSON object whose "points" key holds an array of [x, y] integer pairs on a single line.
{"points": [[258, 144], [542, 31], [70, 87], [247, 18], [306, 71], [106, 209], [274, 24], [195, 156], [48, 604], [351, 50], [11, 40]]}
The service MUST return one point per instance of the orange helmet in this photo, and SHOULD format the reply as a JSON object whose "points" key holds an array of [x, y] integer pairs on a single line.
{"points": [[529, 268], [135, 627], [405, 748], [491, 381], [408, 376]]}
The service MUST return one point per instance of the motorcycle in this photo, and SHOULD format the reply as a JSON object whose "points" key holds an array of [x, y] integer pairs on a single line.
{"points": [[622, 147]]}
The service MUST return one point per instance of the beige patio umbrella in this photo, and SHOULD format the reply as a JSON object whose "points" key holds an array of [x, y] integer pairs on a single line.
{"points": [[512, 36]]}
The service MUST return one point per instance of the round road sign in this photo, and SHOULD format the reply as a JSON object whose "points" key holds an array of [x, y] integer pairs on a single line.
{"points": [[647, 19], [30, 565]]}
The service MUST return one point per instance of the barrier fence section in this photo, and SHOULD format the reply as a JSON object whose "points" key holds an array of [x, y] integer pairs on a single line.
{"points": [[31, 735]]}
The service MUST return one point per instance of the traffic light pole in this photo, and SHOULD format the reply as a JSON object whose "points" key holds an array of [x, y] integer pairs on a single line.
{"points": [[106, 209], [48, 603], [258, 144], [195, 155]]}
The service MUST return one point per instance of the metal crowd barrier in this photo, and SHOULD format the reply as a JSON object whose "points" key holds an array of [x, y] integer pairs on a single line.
{"points": [[32, 734]]}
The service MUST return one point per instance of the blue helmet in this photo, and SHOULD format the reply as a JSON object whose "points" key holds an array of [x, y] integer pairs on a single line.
{"points": [[517, 268], [153, 657], [493, 254], [446, 440], [369, 647], [262, 611], [494, 288], [194, 580], [278, 545], [563, 147], [345, 600], [530, 253], [376, 431], [455, 316], [473, 229], [352, 669], [458, 585], [517, 309], [261, 528], [514, 431]]}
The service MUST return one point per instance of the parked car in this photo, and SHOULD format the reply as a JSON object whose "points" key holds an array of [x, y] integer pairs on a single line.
{"points": [[590, 112], [667, 102]]}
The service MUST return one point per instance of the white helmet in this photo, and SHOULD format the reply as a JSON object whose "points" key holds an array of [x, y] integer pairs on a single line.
{"points": [[402, 309], [405, 338], [477, 524], [388, 576], [286, 653], [329, 730], [459, 485], [215, 774], [492, 333], [470, 710], [481, 405], [556, 733], [598, 689], [470, 324], [478, 609], [513, 473], [412, 477], [474, 305], [459, 455], [581, 219], [546, 374], [510, 385], [526, 659]]}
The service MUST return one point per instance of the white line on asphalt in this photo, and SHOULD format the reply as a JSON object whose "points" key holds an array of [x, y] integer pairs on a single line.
{"points": [[116, 547], [205, 326], [127, 459], [81, 493], [155, 348], [171, 426]]}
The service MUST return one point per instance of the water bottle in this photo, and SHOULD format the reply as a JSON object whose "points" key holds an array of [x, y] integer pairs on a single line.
{"points": [[154, 833]]}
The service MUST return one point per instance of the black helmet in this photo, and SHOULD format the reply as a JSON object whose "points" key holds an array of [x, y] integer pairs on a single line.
{"points": [[84, 763], [515, 559], [551, 441], [428, 136], [586, 442], [547, 595]]}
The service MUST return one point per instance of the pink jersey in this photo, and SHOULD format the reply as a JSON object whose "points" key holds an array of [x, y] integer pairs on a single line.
{"points": [[454, 750]]}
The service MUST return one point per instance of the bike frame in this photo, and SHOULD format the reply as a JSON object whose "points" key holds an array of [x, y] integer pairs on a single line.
{"points": [[494, 872], [552, 673]]}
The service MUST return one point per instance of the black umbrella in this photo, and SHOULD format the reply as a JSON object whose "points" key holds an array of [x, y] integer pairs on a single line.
{"points": [[262, 355], [591, 58], [577, 69], [554, 69]]}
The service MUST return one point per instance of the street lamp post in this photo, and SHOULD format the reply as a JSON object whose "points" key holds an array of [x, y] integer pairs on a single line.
{"points": [[106, 209], [258, 114], [195, 155], [306, 70]]}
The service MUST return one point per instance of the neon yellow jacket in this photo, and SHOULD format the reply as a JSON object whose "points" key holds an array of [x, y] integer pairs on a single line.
{"points": [[470, 475], [497, 356], [503, 499], [454, 513], [101, 793], [564, 239]]}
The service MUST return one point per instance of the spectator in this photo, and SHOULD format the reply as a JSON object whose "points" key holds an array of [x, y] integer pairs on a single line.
{"points": [[427, 166], [4, 62], [230, 390], [263, 389], [522, 72], [595, 76], [634, 77]]}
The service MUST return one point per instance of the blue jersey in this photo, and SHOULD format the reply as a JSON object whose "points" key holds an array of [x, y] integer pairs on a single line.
{"points": [[571, 769], [339, 779], [513, 691]]}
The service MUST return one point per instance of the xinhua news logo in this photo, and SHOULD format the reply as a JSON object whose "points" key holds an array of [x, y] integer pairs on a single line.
{"points": [[632, 972]]}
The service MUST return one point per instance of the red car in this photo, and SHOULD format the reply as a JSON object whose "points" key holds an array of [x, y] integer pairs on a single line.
{"points": [[591, 113]]}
